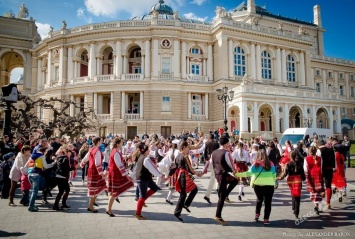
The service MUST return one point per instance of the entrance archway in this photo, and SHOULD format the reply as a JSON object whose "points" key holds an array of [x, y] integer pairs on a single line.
{"points": [[233, 118], [265, 119], [295, 117], [322, 118], [9, 61]]}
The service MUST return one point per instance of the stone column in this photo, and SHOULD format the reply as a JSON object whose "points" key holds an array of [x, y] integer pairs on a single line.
{"points": [[314, 117], [100, 104], [39, 74], [210, 63], [277, 118], [143, 65], [112, 108], [156, 60], [243, 117], [278, 66], [204, 70], [125, 64], [325, 87], [253, 65], [287, 117], [147, 58], [188, 66], [49, 68], [176, 59], [141, 106], [75, 69], [230, 59], [283, 68], [70, 72], [255, 118], [118, 63], [189, 105], [331, 119], [71, 107], [206, 106], [92, 61], [338, 120], [347, 87], [183, 59], [258, 63], [302, 70], [61, 65], [95, 103], [123, 104]]}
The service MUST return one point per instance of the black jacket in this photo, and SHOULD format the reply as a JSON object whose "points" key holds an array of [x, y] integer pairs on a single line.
{"points": [[209, 148], [63, 166]]}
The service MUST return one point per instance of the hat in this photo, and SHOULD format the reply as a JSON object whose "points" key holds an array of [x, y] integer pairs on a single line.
{"points": [[143, 148], [321, 142], [129, 142], [176, 141]]}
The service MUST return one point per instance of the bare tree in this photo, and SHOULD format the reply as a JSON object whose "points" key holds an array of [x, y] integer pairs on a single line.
{"points": [[25, 119]]}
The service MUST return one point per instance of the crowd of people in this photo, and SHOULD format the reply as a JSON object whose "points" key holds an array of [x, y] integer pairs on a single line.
{"points": [[152, 162]]}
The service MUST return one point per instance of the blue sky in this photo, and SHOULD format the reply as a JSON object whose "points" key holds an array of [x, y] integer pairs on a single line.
{"points": [[337, 20]]}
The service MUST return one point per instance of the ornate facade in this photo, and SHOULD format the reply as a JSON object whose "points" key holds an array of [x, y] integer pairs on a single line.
{"points": [[159, 73]]}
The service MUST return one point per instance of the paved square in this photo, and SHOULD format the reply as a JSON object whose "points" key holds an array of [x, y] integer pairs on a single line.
{"points": [[79, 223]]}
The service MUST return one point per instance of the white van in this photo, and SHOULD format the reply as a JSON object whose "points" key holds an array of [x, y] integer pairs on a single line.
{"points": [[295, 135]]}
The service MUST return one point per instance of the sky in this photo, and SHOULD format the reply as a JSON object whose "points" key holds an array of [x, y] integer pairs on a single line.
{"points": [[337, 16]]}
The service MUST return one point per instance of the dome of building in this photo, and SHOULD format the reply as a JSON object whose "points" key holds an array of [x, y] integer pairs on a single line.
{"points": [[161, 8], [20, 80]]}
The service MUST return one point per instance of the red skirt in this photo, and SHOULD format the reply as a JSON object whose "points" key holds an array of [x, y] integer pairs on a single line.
{"points": [[119, 185], [284, 160], [173, 179], [190, 185], [338, 180], [242, 167], [96, 184], [295, 184]]}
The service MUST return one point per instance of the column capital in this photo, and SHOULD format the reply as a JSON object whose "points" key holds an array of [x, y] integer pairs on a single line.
{"points": [[147, 39], [117, 40], [92, 42]]}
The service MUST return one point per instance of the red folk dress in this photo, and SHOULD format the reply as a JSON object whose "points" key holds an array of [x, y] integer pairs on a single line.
{"points": [[95, 182], [339, 176], [118, 180], [314, 177]]}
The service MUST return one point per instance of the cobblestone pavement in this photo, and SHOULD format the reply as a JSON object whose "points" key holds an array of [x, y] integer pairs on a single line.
{"points": [[79, 223]]}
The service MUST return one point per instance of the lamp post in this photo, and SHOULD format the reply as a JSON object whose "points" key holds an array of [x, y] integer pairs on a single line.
{"points": [[225, 96], [125, 121], [9, 95]]}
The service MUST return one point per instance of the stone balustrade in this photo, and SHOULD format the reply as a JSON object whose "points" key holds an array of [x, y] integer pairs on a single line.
{"points": [[197, 78], [198, 117], [132, 116], [132, 77], [103, 117]]}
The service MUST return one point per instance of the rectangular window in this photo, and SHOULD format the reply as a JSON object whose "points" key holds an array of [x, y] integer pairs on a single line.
{"points": [[341, 90], [195, 51], [56, 73], [318, 87], [195, 69], [137, 54], [330, 75], [165, 66], [341, 76], [82, 104], [353, 111], [343, 110], [351, 77], [352, 91], [166, 104], [137, 70], [196, 104], [317, 72]]}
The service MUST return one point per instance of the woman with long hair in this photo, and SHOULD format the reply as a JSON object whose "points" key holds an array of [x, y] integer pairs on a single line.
{"points": [[294, 171], [286, 156], [339, 181], [241, 158], [96, 176], [313, 170], [263, 177], [184, 183], [118, 180], [82, 152]]}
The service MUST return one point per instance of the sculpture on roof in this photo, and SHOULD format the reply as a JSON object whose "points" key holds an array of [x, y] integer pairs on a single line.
{"points": [[281, 26], [221, 12], [50, 30], [9, 14], [176, 15], [255, 20], [302, 31], [23, 13], [155, 14], [247, 80], [64, 26]]}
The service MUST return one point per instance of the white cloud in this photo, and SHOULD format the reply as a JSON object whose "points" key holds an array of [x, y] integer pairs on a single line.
{"points": [[80, 13], [198, 2], [192, 15], [43, 29], [111, 8]]}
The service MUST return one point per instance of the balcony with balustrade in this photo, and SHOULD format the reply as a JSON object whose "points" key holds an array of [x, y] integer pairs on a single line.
{"points": [[197, 78], [166, 76], [198, 117], [132, 116], [103, 117], [104, 77], [133, 77]]}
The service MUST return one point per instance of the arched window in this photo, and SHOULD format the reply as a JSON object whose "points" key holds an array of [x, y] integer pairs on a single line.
{"points": [[266, 65], [239, 61], [291, 68]]}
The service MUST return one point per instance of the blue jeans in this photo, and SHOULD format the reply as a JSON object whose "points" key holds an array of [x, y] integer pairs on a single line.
{"points": [[34, 181], [348, 158], [104, 166]]}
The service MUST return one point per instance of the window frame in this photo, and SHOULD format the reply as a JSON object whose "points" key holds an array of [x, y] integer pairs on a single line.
{"points": [[163, 71], [166, 107], [320, 87], [239, 61], [266, 65], [291, 68]]}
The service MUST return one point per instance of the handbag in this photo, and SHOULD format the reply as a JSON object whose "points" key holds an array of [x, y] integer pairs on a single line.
{"points": [[252, 184]]}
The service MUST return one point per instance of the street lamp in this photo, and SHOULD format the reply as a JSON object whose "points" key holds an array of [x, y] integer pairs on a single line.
{"points": [[225, 96], [9, 95], [125, 121]]}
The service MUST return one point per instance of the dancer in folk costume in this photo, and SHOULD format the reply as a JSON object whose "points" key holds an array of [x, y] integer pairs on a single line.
{"points": [[295, 172], [167, 165], [185, 183], [96, 177], [222, 164], [286, 156], [313, 170], [145, 170], [339, 175], [241, 157], [118, 179], [253, 153]]}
